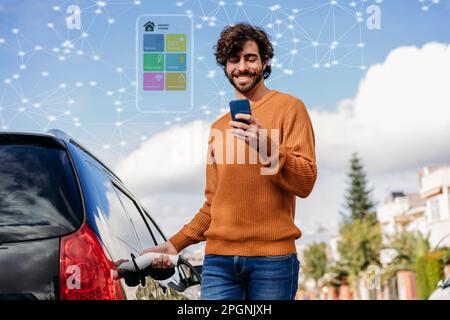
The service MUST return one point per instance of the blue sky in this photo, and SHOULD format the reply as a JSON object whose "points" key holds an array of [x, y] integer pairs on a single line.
{"points": [[402, 23], [81, 81]]}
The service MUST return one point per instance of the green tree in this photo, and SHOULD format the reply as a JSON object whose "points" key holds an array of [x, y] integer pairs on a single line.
{"points": [[428, 273], [357, 199], [315, 261], [409, 246], [413, 253], [359, 245]]}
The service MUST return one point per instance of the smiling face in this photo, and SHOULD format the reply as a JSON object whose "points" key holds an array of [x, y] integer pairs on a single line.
{"points": [[245, 70]]}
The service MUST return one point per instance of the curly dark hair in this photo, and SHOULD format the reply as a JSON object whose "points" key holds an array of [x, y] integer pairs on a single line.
{"points": [[233, 38]]}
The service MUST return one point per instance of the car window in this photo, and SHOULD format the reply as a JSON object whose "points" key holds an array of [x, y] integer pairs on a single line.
{"points": [[145, 237], [116, 219], [39, 196], [154, 229]]}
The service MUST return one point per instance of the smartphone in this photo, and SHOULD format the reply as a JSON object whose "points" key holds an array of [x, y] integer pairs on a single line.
{"points": [[240, 106]]}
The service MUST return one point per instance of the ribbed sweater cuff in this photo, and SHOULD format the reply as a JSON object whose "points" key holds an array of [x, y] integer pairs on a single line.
{"points": [[180, 241]]}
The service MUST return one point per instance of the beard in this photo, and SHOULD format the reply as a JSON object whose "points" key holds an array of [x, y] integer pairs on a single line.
{"points": [[254, 79]]}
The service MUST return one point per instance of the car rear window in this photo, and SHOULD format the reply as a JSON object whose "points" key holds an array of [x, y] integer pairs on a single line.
{"points": [[39, 196]]}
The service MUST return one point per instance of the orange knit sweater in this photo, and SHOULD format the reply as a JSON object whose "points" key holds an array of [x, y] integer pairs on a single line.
{"points": [[249, 214]]}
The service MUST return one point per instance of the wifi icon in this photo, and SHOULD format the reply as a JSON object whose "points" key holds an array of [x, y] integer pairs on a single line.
{"points": [[158, 77]]}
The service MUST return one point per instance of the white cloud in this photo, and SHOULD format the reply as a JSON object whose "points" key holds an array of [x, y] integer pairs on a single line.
{"points": [[170, 161], [400, 117]]}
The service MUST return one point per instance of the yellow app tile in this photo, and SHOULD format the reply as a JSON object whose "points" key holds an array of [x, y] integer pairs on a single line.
{"points": [[176, 81], [176, 43]]}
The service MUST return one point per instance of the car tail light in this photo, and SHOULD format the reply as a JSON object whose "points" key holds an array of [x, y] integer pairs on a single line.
{"points": [[85, 271]]}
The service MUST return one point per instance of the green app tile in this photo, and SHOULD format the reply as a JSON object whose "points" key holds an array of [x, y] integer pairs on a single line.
{"points": [[176, 42], [176, 81], [153, 62]]}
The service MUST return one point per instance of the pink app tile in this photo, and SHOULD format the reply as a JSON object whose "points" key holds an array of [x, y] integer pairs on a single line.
{"points": [[153, 81]]}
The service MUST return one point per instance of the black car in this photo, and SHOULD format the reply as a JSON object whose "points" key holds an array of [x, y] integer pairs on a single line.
{"points": [[66, 223]]}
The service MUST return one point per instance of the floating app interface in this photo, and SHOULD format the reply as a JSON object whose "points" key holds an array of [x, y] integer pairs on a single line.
{"points": [[164, 63]]}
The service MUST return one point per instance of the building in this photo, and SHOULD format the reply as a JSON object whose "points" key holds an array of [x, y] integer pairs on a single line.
{"points": [[402, 211], [434, 190]]}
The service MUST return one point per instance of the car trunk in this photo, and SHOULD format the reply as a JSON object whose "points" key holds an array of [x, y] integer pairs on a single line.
{"points": [[39, 203]]}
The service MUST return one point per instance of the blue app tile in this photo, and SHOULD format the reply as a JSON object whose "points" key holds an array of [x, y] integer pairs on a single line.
{"points": [[153, 42], [176, 62]]}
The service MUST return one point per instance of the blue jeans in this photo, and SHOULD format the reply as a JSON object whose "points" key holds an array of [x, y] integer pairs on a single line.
{"points": [[250, 278]]}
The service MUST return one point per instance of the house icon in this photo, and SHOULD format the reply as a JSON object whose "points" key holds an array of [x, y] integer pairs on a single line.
{"points": [[149, 26]]}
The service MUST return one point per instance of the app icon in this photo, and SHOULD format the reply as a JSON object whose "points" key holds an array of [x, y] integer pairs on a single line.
{"points": [[176, 81], [153, 81], [153, 62], [153, 42], [175, 42], [176, 62]]}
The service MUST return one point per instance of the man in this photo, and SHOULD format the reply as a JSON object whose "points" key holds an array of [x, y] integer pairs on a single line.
{"points": [[247, 219]]}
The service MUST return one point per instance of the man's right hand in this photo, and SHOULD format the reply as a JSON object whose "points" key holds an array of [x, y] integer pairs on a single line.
{"points": [[163, 260]]}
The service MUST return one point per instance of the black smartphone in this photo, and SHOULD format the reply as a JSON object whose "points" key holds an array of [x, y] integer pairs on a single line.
{"points": [[239, 106]]}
